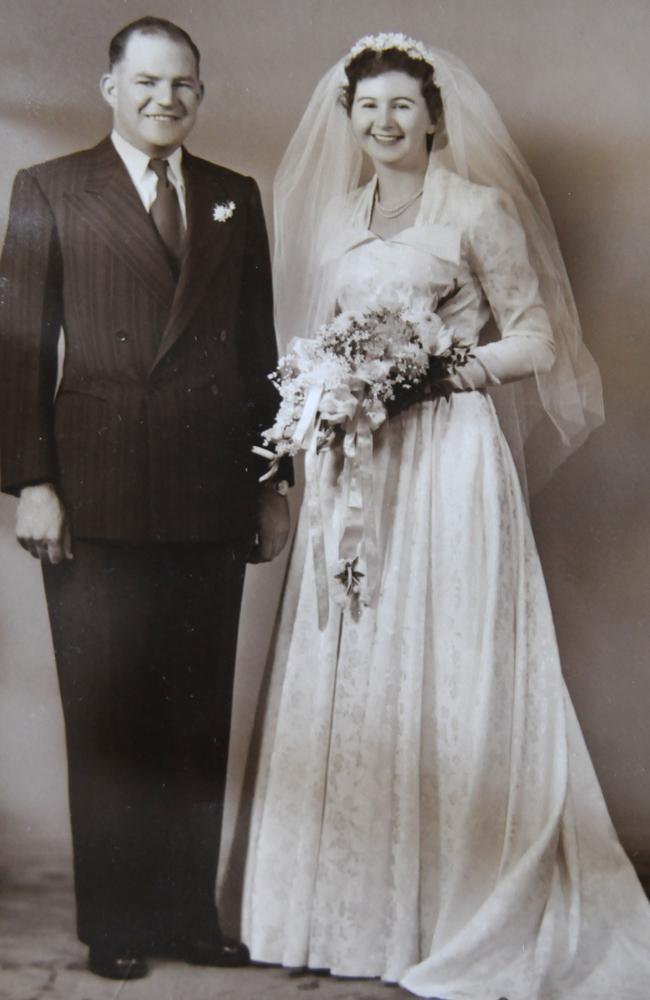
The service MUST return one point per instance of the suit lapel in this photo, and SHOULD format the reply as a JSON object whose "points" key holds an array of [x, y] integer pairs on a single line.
{"points": [[111, 205], [206, 242]]}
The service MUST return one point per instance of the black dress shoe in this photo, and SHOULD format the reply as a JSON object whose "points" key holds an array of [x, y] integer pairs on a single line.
{"points": [[224, 953], [117, 966]]}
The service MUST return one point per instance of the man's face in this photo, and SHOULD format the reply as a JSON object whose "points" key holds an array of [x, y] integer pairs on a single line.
{"points": [[154, 92]]}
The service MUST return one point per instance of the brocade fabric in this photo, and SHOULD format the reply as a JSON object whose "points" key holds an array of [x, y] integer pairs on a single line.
{"points": [[426, 810]]}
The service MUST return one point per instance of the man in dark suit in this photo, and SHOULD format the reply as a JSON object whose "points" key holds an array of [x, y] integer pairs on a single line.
{"points": [[137, 487]]}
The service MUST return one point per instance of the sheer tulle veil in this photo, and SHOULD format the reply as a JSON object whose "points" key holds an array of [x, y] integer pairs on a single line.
{"points": [[545, 418]]}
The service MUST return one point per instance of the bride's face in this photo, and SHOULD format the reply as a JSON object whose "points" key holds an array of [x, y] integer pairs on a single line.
{"points": [[390, 119]]}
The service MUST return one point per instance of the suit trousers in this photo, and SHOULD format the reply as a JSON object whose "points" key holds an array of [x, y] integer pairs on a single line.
{"points": [[145, 641]]}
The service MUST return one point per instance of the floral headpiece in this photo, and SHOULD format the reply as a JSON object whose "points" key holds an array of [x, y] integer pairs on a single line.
{"points": [[390, 40]]}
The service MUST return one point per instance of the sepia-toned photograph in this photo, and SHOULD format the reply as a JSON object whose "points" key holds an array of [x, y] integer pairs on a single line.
{"points": [[324, 479]]}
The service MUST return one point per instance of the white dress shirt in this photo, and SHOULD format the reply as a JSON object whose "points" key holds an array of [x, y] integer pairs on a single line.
{"points": [[143, 177]]}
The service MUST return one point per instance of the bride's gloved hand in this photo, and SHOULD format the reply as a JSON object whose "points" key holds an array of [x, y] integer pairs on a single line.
{"points": [[436, 383], [515, 357]]}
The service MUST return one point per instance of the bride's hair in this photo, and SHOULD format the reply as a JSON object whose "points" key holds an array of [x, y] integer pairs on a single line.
{"points": [[370, 63]]}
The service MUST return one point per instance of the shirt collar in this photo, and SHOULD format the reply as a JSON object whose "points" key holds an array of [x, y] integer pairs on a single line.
{"points": [[137, 162]]}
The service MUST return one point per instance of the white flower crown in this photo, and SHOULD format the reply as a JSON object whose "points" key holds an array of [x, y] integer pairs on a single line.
{"points": [[390, 40]]}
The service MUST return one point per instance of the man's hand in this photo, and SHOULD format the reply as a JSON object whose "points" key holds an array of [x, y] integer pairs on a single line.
{"points": [[272, 526], [41, 524]]}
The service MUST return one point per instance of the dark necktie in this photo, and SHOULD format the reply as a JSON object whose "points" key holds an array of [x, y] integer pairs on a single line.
{"points": [[166, 211]]}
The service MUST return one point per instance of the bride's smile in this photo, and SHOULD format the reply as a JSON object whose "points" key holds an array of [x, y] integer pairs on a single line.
{"points": [[390, 120]]}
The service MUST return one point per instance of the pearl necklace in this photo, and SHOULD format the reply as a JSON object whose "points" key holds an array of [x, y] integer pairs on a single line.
{"points": [[393, 213]]}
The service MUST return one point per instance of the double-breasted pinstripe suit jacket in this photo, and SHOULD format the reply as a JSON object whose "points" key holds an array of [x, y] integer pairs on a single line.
{"points": [[164, 385]]}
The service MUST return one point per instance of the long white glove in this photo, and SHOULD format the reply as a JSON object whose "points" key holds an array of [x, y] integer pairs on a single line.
{"points": [[514, 357]]}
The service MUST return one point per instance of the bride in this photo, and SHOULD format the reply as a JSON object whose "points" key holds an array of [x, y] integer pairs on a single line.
{"points": [[425, 808]]}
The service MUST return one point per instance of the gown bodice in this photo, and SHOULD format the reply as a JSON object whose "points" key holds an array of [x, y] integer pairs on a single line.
{"points": [[404, 272], [465, 236]]}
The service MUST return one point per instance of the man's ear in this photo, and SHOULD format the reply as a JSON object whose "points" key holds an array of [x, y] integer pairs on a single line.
{"points": [[201, 91], [107, 87]]}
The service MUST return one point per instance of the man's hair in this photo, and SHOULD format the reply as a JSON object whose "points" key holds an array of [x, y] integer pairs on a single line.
{"points": [[149, 26]]}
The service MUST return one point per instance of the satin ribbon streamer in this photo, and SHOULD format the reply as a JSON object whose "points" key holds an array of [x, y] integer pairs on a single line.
{"points": [[360, 528], [359, 523]]}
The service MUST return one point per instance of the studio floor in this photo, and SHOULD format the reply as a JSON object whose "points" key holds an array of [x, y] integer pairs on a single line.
{"points": [[41, 959]]}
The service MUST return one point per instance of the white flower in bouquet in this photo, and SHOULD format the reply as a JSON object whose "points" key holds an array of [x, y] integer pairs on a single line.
{"points": [[338, 404], [373, 371], [436, 338]]}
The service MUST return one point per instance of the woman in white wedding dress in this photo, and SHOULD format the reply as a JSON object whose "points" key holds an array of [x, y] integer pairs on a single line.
{"points": [[425, 808]]}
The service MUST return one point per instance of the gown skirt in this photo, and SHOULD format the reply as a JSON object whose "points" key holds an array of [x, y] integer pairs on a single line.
{"points": [[426, 810]]}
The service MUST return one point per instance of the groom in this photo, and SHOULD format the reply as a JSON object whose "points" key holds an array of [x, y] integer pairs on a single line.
{"points": [[137, 488]]}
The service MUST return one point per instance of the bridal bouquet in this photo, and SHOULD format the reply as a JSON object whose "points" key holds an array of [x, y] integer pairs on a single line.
{"points": [[339, 387], [351, 369]]}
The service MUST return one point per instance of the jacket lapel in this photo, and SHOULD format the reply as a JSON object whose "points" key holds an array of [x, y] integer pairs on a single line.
{"points": [[206, 243], [111, 205]]}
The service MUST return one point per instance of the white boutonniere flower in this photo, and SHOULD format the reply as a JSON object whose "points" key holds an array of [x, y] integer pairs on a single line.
{"points": [[223, 210]]}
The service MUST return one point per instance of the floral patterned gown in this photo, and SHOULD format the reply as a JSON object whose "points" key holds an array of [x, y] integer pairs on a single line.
{"points": [[426, 810]]}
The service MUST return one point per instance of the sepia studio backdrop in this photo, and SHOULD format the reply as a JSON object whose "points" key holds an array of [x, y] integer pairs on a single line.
{"points": [[571, 81]]}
